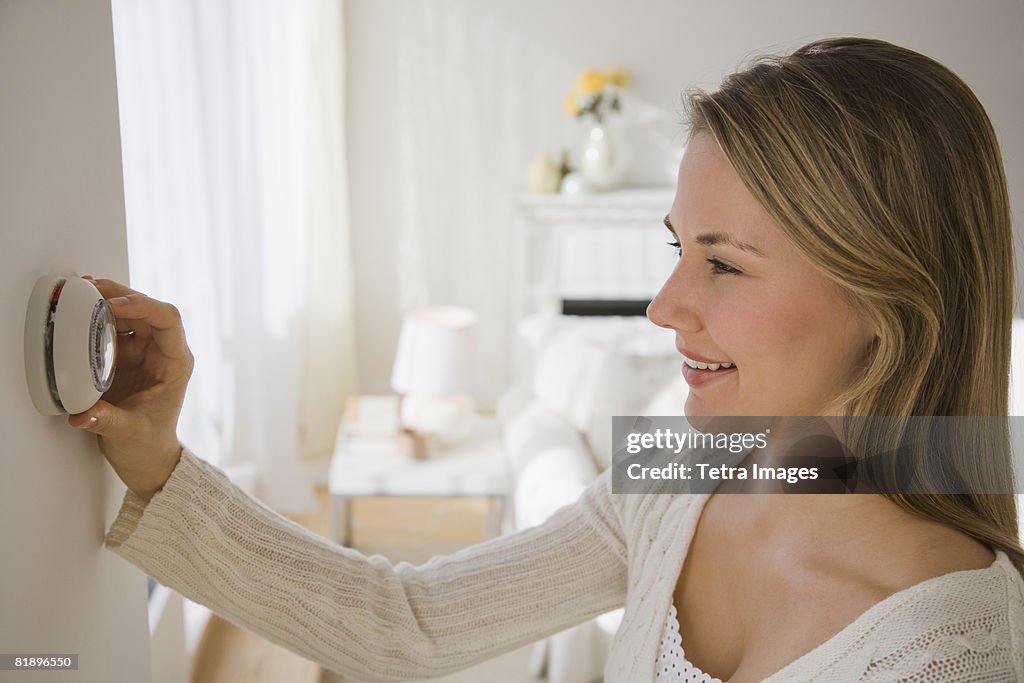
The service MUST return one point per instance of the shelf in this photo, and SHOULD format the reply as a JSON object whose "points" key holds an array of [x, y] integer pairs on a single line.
{"points": [[627, 204]]}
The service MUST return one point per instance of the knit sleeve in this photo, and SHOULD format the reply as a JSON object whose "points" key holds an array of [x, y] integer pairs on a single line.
{"points": [[364, 616]]}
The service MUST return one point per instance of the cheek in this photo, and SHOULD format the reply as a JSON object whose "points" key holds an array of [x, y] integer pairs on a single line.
{"points": [[795, 332], [775, 336], [750, 330], [809, 338]]}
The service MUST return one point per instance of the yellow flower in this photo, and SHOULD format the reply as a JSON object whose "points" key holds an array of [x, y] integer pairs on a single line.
{"points": [[571, 105], [619, 78], [591, 82]]}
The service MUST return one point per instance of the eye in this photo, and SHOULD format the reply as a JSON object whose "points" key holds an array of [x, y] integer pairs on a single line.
{"points": [[677, 246], [722, 268]]}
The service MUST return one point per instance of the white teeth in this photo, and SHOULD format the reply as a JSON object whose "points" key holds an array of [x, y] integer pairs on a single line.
{"points": [[698, 365]]}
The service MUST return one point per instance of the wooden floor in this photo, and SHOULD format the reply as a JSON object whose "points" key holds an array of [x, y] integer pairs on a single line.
{"points": [[410, 529]]}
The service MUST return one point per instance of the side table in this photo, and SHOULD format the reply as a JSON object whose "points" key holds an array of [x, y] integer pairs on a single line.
{"points": [[374, 466]]}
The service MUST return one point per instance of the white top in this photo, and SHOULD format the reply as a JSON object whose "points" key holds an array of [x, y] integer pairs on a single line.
{"points": [[370, 619], [672, 664]]}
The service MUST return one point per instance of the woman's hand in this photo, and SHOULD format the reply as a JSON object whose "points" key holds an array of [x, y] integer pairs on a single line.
{"points": [[137, 419]]}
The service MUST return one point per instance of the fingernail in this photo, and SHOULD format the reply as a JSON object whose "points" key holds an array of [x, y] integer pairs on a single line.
{"points": [[119, 300], [88, 423], [87, 277]]}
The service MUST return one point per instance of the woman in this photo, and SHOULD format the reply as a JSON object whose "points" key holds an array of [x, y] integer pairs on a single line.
{"points": [[845, 249]]}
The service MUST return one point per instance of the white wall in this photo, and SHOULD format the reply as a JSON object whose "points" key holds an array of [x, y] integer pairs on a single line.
{"points": [[61, 211], [668, 45]]}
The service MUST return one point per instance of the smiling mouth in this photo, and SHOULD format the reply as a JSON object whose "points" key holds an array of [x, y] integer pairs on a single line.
{"points": [[701, 365]]}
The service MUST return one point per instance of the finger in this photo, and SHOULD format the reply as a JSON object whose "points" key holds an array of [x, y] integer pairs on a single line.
{"points": [[160, 319], [131, 330], [112, 288], [82, 420], [103, 418], [125, 322], [169, 344]]}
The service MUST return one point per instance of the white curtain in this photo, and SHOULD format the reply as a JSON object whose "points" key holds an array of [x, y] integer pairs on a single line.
{"points": [[478, 97], [461, 159], [232, 139]]}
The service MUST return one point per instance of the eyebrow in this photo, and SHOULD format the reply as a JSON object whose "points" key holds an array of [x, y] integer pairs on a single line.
{"points": [[711, 239]]}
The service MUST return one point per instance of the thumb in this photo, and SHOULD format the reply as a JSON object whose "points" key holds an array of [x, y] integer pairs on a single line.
{"points": [[103, 418]]}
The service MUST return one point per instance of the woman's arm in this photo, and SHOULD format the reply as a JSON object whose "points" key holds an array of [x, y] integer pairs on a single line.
{"points": [[184, 523], [363, 616]]}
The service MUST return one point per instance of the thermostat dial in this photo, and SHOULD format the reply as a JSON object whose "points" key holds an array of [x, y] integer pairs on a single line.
{"points": [[70, 345], [102, 346]]}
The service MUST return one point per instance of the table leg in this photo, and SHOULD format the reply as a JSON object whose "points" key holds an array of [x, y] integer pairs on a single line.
{"points": [[346, 528], [495, 515], [336, 519], [341, 519]]}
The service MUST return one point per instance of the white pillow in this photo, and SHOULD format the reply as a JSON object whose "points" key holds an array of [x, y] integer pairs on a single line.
{"points": [[589, 369], [626, 385], [570, 353], [551, 463], [534, 431], [566, 375]]}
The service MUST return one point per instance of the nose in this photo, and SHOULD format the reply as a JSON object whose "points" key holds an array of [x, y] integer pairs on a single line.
{"points": [[676, 305]]}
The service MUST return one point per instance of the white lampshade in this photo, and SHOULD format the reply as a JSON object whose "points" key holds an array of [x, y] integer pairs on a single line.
{"points": [[437, 353]]}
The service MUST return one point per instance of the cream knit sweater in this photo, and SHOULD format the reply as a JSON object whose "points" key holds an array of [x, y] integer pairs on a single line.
{"points": [[369, 619]]}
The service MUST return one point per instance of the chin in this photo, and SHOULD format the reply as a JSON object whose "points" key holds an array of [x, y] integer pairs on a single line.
{"points": [[696, 409], [698, 413], [692, 408]]}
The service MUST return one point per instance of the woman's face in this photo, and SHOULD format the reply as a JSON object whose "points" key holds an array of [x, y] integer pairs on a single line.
{"points": [[785, 342]]}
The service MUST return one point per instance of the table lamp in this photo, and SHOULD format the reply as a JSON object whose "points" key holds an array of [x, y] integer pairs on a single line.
{"points": [[435, 371]]}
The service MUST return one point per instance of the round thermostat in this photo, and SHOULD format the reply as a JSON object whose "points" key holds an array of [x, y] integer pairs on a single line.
{"points": [[70, 345]]}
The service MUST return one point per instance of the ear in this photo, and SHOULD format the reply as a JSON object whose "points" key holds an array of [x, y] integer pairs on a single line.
{"points": [[870, 325]]}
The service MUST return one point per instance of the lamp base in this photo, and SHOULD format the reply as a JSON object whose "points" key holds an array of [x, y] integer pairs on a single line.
{"points": [[449, 418], [413, 444]]}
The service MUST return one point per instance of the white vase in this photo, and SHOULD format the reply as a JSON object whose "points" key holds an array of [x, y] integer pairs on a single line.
{"points": [[599, 160]]}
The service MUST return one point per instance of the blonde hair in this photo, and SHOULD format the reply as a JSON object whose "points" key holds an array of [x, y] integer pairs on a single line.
{"points": [[883, 169]]}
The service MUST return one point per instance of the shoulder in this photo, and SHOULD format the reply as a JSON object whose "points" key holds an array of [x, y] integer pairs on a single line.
{"points": [[888, 550], [935, 549], [964, 625], [989, 598], [970, 618], [935, 573]]}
